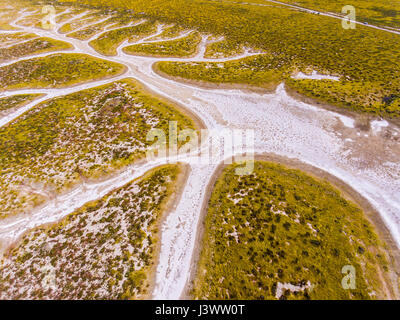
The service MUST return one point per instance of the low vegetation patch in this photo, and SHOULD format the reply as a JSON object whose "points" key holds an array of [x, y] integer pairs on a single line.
{"points": [[300, 40], [384, 13], [182, 47], [280, 234], [261, 70], [374, 99], [105, 250], [91, 31], [85, 135], [9, 104], [223, 49], [67, 16], [169, 32], [91, 18], [9, 39], [57, 70], [108, 42], [35, 46]]}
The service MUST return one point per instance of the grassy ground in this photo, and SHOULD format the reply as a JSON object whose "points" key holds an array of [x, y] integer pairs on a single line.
{"points": [[108, 42], [261, 71], [64, 17], [14, 102], [8, 39], [55, 71], [90, 31], [384, 12], [70, 139], [183, 47], [81, 22], [9, 14], [300, 40], [169, 32], [33, 19], [35, 46], [223, 49], [279, 226], [104, 250], [377, 100]]}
